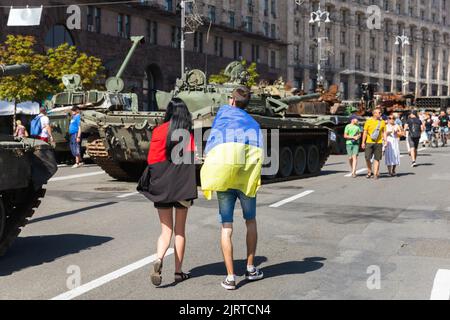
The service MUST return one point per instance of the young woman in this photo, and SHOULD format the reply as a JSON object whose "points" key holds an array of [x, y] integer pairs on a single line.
{"points": [[171, 183], [392, 152]]}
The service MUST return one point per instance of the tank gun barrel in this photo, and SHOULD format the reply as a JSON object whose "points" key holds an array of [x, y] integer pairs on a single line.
{"points": [[297, 99], [14, 70], [136, 41]]}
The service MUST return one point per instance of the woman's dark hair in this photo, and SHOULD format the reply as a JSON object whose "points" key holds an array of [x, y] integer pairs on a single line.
{"points": [[180, 118]]}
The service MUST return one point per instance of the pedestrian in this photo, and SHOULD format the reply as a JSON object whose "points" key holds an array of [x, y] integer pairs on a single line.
{"points": [[170, 182], [373, 138], [414, 127], [40, 126], [392, 151], [232, 168], [444, 125], [21, 131], [429, 129], [75, 136], [352, 135]]}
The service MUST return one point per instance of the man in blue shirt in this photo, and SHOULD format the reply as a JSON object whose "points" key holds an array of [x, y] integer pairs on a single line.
{"points": [[75, 136]]}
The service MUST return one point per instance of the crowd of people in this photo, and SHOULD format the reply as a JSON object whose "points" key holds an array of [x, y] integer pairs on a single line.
{"points": [[381, 136]]}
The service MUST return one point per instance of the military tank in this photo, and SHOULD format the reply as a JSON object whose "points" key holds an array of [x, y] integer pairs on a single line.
{"points": [[25, 166], [303, 147], [61, 104]]}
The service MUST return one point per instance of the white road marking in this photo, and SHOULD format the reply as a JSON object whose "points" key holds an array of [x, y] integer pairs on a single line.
{"points": [[422, 149], [69, 295], [357, 172], [76, 176], [441, 285], [62, 165], [126, 195], [293, 198]]}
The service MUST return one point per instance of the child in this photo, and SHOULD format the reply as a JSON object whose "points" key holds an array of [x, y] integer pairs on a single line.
{"points": [[21, 131]]}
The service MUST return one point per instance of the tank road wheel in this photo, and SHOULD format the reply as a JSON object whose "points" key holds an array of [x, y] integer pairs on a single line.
{"points": [[313, 159], [299, 161], [286, 162], [2, 219]]}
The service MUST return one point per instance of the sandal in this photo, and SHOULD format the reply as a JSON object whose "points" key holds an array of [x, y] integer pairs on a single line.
{"points": [[369, 175], [181, 276], [156, 275]]}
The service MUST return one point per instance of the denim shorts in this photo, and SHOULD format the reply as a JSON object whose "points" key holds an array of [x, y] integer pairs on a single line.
{"points": [[74, 145], [227, 200]]}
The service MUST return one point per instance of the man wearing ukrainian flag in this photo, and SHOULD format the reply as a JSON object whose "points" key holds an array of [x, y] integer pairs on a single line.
{"points": [[232, 168]]}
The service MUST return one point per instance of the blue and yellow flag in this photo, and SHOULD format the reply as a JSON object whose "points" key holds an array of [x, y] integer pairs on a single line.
{"points": [[234, 154]]}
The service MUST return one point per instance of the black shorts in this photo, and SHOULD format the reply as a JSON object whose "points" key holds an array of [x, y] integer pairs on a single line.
{"points": [[375, 150], [170, 205], [413, 142]]}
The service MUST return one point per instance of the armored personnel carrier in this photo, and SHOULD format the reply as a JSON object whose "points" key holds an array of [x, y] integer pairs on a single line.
{"points": [[25, 166]]}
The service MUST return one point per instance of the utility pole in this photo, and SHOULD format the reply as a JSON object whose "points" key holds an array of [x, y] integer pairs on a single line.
{"points": [[403, 40], [316, 17]]}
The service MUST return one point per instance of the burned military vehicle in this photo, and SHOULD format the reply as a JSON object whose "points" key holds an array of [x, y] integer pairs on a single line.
{"points": [[25, 166]]}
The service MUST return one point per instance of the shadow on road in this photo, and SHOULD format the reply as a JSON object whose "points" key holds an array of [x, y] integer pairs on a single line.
{"points": [[68, 213], [275, 270], [33, 251]]}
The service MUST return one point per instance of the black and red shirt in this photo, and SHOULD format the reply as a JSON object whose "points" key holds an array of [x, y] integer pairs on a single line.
{"points": [[169, 182]]}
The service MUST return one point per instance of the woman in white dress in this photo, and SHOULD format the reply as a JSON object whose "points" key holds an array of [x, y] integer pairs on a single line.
{"points": [[392, 152]]}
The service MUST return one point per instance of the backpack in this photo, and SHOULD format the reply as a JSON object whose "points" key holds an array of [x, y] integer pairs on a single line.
{"points": [[36, 127], [415, 129]]}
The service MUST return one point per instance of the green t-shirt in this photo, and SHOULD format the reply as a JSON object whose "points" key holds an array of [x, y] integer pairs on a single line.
{"points": [[352, 130]]}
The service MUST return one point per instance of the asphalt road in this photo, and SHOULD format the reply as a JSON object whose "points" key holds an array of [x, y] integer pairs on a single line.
{"points": [[330, 237]]}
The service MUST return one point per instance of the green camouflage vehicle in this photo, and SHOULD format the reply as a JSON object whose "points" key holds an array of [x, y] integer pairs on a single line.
{"points": [[25, 166]]}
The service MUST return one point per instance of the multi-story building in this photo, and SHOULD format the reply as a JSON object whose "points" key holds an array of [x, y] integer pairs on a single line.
{"points": [[276, 34], [235, 29], [362, 54]]}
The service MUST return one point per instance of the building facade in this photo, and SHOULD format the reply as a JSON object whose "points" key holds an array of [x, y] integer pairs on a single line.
{"points": [[276, 34], [361, 54]]}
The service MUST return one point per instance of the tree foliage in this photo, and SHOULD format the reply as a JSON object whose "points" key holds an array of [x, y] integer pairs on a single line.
{"points": [[222, 78], [47, 69]]}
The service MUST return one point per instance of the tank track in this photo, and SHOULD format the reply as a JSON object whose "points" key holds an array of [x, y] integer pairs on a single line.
{"points": [[18, 217], [97, 151]]}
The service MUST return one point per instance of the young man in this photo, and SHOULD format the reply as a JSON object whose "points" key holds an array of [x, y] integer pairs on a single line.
{"points": [[75, 136], [444, 125], [232, 168], [43, 131], [373, 137], [352, 134], [415, 128]]}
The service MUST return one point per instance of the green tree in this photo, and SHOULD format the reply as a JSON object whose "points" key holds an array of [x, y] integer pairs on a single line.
{"points": [[222, 78], [46, 69]]}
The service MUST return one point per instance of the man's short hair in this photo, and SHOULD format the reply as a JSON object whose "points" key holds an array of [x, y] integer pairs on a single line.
{"points": [[75, 108], [377, 109], [241, 96]]}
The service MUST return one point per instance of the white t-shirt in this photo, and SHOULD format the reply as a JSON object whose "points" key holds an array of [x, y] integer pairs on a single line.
{"points": [[45, 121]]}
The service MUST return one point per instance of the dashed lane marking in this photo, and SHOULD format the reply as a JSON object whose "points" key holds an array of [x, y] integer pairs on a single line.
{"points": [[293, 198], [441, 285], [77, 176], [69, 295]]}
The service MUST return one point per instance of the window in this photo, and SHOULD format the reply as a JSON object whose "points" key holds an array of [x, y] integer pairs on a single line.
{"points": [[372, 43], [343, 60], [232, 21], [372, 64], [58, 35], [198, 42], [169, 5], [120, 25], [273, 9], [98, 20], [212, 14], [343, 37], [358, 61], [386, 66], [237, 49], [152, 32], [273, 59], [176, 37], [266, 8], [266, 28], [255, 53], [273, 31], [218, 46], [249, 24], [250, 6], [127, 26]]}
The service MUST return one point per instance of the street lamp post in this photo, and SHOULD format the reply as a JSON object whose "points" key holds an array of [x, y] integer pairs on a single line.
{"points": [[403, 40], [316, 17]]}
